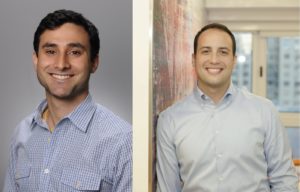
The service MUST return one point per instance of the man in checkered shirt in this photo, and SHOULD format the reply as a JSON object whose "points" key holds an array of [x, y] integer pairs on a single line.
{"points": [[69, 143]]}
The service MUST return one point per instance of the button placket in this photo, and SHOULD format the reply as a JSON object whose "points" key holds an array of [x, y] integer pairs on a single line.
{"points": [[50, 141], [218, 149]]}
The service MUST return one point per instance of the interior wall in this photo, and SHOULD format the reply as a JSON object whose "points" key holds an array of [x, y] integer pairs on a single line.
{"points": [[255, 15], [251, 3], [110, 86]]}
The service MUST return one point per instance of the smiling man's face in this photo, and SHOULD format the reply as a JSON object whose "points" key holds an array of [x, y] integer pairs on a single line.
{"points": [[214, 60], [63, 62]]}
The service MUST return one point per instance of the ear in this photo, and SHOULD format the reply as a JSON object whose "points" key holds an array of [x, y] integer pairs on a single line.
{"points": [[234, 60], [35, 60], [193, 59], [95, 64]]}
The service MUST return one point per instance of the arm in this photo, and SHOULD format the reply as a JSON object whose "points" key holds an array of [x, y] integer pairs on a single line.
{"points": [[9, 185], [168, 176], [123, 167], [281, 171]]}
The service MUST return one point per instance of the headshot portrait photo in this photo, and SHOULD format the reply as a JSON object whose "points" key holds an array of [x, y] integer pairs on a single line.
{"points": [[110, 85]]}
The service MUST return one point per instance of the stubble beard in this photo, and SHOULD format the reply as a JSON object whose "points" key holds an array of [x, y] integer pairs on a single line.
{"points": [[69, 95]]}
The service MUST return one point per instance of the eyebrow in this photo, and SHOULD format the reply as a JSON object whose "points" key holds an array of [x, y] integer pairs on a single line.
{"points": [[50, 45], [208, 47], [219, 48], [225, 48], [78, 45]]}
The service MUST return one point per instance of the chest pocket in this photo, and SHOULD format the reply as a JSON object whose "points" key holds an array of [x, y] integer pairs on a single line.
{"points": [[22, 177], [73, 180]]}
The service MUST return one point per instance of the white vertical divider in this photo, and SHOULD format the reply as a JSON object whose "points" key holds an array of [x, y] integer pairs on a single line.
{"points": [[142, 59]]}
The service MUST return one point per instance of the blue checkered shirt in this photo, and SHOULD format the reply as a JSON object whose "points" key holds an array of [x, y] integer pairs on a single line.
{"points": [[89, 150]]}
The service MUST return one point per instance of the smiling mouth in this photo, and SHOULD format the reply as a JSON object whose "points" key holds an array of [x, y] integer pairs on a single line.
{"points": [[60, 76], [214, 71]]}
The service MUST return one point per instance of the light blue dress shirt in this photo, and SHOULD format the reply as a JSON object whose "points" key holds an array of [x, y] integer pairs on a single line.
{"points": [[238, 145], [89, 150]]}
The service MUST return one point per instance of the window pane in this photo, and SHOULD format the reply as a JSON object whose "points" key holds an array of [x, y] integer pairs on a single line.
{"points": [[242, 74], [283, 69]]}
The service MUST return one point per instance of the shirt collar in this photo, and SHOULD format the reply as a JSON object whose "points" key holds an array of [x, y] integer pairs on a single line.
{"points": [[80, 116], [37, 116], [200, 96]]}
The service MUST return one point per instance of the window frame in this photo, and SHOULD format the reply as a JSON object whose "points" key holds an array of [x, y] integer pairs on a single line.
{"points": [[289, 119], [259, 69]]}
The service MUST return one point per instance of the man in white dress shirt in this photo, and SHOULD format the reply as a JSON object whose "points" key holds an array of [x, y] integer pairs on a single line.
{"points": [[221, 138]]}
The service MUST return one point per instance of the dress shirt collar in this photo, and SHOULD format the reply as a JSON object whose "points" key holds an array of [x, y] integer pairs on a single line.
{"points": [[80, 116], [204, 99]]}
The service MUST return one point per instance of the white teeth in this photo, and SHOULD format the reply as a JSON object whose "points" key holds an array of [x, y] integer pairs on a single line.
{"points": [[61, 77], [213, 70]]}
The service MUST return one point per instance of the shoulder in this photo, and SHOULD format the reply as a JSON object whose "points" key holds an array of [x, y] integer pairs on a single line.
{"points": [[113, 133], [108, 122], [171, 118], [23, 130], [180, 107], [27, 121], [255, 99], [256, 103]]}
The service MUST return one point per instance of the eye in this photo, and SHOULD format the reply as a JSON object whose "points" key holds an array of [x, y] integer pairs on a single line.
{"points": [[75, 52], [50, 51], [224, 52], [205, 52]]}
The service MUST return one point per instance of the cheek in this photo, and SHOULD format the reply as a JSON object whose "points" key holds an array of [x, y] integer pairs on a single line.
{"points": [[230, 65], [199, 65], [81, 68], [43, 61]]}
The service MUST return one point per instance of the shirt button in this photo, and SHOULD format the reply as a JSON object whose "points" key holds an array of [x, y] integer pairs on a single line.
{"points": [[220, 178], [217, 132], [46, 171], [49, 139], [220, 155], [78, 184]]}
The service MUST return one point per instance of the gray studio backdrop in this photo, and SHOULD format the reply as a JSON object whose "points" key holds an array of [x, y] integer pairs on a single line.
{"points": [[20, 92]]}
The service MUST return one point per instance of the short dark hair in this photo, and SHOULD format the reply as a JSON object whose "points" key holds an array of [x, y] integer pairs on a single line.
{"points": [[59, 17], [215, 26]]}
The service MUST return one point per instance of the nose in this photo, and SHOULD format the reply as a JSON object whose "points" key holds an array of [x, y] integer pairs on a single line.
{"points": [[214, 58], [62, 62]]}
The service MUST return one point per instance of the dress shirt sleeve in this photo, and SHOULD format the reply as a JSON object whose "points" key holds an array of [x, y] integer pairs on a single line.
{"points": [[123, 166], [281, 171], [10, 185], [168, 178]]}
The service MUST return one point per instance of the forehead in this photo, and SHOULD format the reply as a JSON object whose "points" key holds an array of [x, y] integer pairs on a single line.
{"points": [[65, 34], [215, 37]]}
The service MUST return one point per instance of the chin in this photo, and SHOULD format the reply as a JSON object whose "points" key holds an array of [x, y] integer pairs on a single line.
{"points": [[63, 96], [70, 95], [60, 94]]}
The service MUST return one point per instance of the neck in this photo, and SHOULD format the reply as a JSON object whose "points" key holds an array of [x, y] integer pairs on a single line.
{"points": [[215, 93], [59, 108]]}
